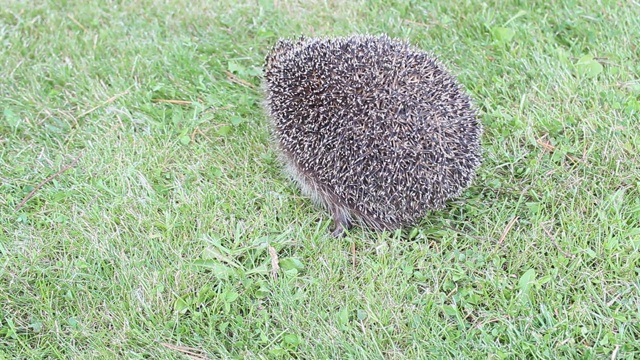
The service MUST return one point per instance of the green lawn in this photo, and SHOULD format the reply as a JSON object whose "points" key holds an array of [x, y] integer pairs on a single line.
{"points": [[158, 242]]}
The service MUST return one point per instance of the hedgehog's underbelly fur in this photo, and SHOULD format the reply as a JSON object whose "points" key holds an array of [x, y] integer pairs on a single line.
{"points": [[371, 128]]}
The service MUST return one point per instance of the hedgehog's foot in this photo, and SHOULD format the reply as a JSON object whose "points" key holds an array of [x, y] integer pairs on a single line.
{"points": [[341, 223], [339, 230]]}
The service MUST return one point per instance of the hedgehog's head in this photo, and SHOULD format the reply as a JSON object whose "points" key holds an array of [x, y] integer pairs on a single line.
{"points": [[282, 48]]}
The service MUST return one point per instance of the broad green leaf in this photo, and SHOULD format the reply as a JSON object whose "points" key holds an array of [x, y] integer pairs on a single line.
{"points": [[343, 316], [11, 118], [526, 280], [291, 339], [230, 296], [291, 263], [236, 120], [216, 171], [236, 68], [588, 67], [180, 306], [502, 34], [224, 130], [450, 310]]}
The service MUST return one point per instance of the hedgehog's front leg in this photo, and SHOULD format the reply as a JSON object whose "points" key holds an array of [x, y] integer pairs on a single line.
{"points": [[341, 222]]}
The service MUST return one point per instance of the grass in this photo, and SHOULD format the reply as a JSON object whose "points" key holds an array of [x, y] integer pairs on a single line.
{"points": [[158, 242]]}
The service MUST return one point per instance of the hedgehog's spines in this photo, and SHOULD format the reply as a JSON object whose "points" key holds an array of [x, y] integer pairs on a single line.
{"points": [[371, 128]]}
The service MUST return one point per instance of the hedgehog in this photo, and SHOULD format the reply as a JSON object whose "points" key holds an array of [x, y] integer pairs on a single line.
{"points": [[374, 130]]}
